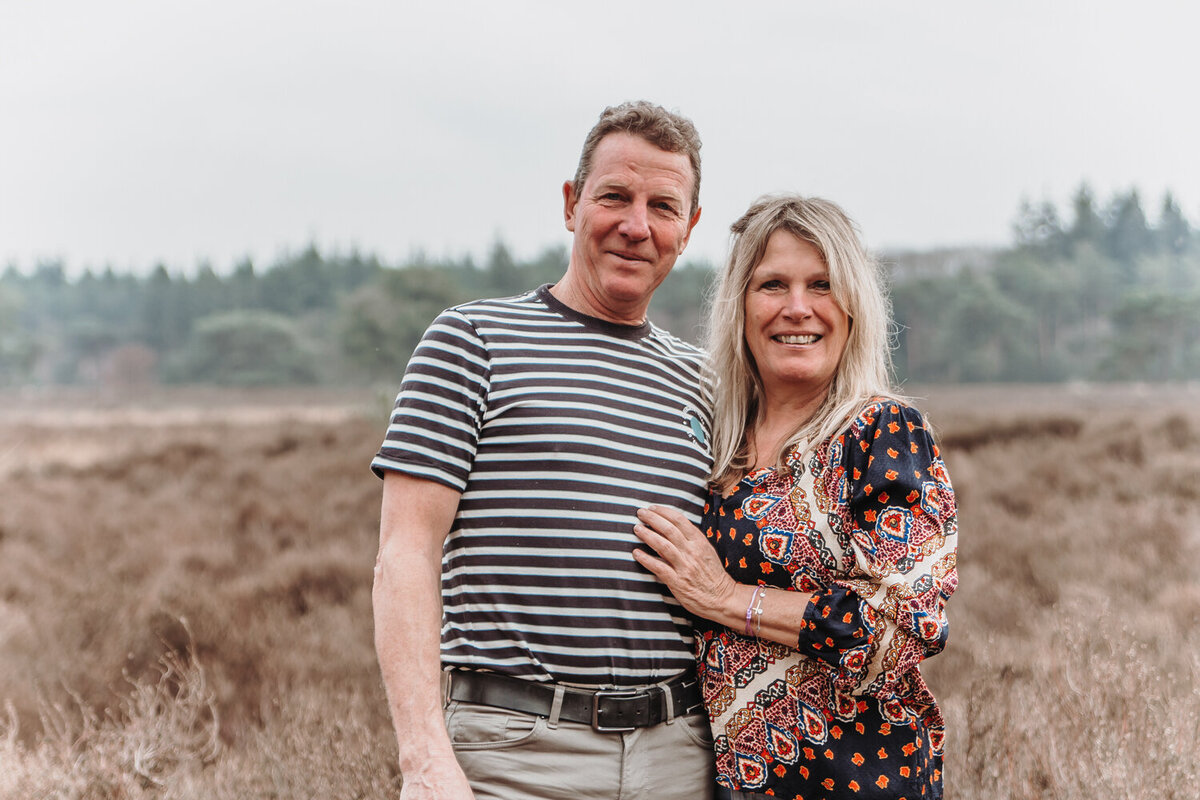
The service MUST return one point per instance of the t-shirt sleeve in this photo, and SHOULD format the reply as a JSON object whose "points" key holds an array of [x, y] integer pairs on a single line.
{"points": [[897, 508], [435, 423]]}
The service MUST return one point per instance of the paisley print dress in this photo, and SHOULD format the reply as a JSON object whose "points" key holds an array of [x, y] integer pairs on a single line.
{"points": [[866, 522]]}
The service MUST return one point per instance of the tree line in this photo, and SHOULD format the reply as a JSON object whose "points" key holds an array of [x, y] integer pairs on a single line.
{"points": [[1096, 293]]}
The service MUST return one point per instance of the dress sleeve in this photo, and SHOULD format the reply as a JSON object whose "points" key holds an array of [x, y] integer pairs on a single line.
{"points": [[894, 508], [434, 428]]}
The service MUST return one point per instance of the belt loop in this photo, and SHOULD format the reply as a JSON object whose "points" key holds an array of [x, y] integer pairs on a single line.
{"points": [[556, 706], [668, 701], [445, 682]]}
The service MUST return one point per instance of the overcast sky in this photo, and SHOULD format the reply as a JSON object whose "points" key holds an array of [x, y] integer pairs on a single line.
{"points": [[134, 131]]}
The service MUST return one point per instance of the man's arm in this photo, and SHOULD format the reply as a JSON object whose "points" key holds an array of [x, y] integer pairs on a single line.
{"points": [[415, 519]]}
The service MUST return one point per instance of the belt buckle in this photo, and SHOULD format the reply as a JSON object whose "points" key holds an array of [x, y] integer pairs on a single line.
{"points": [[599, 693]]}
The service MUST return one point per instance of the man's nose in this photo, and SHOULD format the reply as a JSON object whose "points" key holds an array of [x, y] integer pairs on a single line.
{"points": [[635, 225]]}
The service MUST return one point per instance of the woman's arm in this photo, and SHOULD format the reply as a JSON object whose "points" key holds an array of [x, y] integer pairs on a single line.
{"points": [[886, 611], [684, 560], [892, 494]]}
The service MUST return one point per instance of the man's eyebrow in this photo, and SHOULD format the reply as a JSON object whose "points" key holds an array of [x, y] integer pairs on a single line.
{"points": [[610, 183], [656, 192], [667, 192]]}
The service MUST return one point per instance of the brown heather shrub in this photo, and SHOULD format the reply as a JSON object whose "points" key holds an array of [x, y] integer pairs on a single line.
{"points": [[1104, 716], [161, 728], [185, 598], [161, 741], [1074, 655]]}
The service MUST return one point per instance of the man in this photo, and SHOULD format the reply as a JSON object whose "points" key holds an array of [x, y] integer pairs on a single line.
{"points": [[526, 434]]}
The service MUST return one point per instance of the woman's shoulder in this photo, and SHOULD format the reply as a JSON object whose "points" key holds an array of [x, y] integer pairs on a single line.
{"points": [[880, 416], [889, 409], [876, 420]]}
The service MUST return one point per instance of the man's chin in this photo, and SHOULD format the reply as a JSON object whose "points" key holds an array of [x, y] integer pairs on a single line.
{"points": [[631, 289], [617, 266]]}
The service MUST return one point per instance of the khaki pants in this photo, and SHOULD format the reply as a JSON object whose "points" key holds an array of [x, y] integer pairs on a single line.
{"points": [[508, 755]]}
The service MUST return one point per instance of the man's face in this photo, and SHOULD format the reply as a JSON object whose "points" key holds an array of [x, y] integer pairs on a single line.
{"points": [[631, 220]]}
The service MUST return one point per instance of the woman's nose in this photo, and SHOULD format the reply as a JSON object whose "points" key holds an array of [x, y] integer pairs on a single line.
{"points": [[797, 304]]}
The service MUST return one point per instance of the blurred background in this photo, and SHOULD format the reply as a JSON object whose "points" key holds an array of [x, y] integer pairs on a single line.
{"points": [[223, 227], [301, 186]]}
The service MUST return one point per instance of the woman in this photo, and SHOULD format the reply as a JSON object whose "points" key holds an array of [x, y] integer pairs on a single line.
{"points": [[826, 554]]}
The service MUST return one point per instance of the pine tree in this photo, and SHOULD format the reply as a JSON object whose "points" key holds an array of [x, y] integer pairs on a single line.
{"points": [[1087, 225], [1129, 235], [1173, 232]]}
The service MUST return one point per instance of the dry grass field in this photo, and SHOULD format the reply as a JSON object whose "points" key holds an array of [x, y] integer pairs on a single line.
{"points": [[185, 596]]}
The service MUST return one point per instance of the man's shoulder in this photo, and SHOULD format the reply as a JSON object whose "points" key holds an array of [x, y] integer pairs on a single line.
{"points": [[516, 303], [674, 344]]}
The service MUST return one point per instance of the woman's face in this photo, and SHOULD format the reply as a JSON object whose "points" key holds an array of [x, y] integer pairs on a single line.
{"points": [[794, 328]]}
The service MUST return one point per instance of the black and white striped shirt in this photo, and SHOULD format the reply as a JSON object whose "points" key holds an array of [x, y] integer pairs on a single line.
{"points": [[556, 427]]}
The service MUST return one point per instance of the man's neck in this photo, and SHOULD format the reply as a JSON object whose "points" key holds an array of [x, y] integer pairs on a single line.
{"points": [[576, 297]]}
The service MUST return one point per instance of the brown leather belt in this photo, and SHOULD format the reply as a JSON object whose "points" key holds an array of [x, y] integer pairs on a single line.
{"points": [[606, 710]]}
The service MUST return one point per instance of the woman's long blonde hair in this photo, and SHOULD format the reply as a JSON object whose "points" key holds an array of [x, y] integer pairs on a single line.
{"points": [[856, 282]]}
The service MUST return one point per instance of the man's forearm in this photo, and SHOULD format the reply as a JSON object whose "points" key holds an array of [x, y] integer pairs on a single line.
{"points": [[407, 605], [415, 517]]}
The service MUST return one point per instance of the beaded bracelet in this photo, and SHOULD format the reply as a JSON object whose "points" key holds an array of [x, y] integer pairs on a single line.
{"points": [[750, 608], [758, 609]]}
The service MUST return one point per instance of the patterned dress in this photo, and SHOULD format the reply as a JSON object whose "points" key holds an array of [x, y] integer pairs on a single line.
{"points": [[868, 524]]}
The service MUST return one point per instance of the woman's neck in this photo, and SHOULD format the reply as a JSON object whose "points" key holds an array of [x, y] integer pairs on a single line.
{"points": [[780, 416]]}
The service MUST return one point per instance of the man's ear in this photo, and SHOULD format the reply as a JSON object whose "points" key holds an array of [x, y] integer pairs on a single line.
{"points": [[691, 224], [569, 202]]}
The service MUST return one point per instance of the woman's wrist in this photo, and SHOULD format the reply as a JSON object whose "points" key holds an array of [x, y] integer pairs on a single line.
{"points": [[769, 613], [736, 611], [755, 600]]}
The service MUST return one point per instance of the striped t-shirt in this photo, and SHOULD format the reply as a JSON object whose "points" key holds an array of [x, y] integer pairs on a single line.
{"points": [[556, 427]]}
